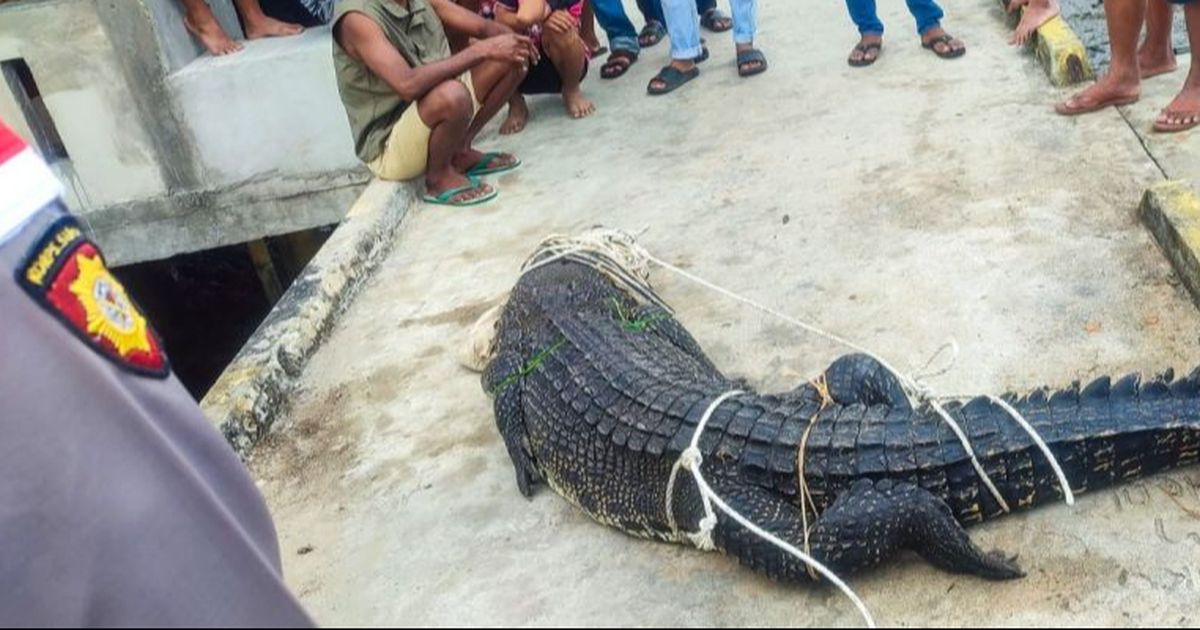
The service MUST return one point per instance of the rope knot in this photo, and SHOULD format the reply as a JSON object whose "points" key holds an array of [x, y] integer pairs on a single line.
{"points": [[691, 458], [703, 536]]}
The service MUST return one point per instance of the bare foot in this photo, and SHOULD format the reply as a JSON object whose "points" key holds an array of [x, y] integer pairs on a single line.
{"points": [[1183, 112], [578, 106], [1037, 13], [1153, 63], [469, 158], [1109, 90], [518, 115], [264, 26], [206, 29]]}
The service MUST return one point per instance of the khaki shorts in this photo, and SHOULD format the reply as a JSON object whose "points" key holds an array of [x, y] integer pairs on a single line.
{"points": [[406, 151]]}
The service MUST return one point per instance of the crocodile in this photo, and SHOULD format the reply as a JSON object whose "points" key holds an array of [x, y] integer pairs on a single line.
{"points": [[597, 394]]}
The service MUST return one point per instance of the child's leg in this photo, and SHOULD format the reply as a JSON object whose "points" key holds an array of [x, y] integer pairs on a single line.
{"points": [[587, 26], [565, 51]]}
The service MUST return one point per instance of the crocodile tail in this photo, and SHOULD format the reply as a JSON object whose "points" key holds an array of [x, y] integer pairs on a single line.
{"points": [[1102, 433]]}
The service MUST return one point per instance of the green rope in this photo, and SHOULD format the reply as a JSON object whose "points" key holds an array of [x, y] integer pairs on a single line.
{"points": [[634, 325], [638, 325], [528, 368]]}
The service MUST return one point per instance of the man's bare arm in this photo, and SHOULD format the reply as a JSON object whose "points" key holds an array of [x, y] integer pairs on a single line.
{"points": [[364, 40], [460, 20]]}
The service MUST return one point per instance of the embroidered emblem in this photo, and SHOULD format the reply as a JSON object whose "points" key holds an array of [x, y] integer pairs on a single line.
{"points": [[65, 273]]}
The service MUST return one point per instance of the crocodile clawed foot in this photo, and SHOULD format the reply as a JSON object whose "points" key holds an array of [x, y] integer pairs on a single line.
{"points": [[526, 480], [998, 565]]}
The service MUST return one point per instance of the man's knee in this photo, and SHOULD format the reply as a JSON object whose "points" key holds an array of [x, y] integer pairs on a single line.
{"points": [[448, 101], [561, 43]]}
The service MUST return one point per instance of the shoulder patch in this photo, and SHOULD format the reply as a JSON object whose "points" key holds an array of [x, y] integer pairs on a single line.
{"points": [[65, 274]]}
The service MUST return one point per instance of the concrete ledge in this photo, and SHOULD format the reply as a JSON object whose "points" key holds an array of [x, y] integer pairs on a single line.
{"points": [[190, 221], [256, 386], [1059, 50], [1171, 210]]}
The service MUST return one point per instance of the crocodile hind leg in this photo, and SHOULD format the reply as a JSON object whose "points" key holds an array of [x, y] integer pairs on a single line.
{"points": [[873, 520], [858, 378], [866, 525], [502, 379]]}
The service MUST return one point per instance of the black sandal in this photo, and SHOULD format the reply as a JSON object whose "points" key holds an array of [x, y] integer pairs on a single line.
{"points": [[716, 21], [652, 33], [748, 57], [671, 79], [618, 63], [865, 60], [951, 52]]}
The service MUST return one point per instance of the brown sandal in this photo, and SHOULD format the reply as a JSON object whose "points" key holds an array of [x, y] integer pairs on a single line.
{"points": [[864, 49], [618, 63], [951, 53], [1064, 108]]}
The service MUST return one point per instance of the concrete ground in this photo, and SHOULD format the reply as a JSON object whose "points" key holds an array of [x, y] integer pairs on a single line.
{"points": [[898, 205], [1175, 153]]}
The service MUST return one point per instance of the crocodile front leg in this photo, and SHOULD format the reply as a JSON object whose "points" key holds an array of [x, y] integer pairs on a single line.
{"points": [[502, 379], [866, 525], [859, 378]]}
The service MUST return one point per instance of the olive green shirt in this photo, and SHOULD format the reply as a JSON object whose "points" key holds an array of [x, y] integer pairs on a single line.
{"points": [[372, 106]]}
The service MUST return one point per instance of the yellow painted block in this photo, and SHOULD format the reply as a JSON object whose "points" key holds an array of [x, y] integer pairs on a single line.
{"points": [[1171, 210], [1062, 53], [1059, 50]]}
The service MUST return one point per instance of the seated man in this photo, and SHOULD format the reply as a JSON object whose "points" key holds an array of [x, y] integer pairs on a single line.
{"points": [[554, 26], [413, 107]]}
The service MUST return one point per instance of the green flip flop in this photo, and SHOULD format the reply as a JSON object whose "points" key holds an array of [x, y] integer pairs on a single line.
{"points": [[446, 197], [481, 167]]}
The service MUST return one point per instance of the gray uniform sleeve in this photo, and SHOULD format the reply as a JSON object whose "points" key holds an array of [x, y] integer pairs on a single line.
{"points": [[119, 503]]}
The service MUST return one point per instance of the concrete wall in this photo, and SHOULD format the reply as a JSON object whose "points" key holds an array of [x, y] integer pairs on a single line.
{"points": [[172, 150], [82, 82], [272, 109]]}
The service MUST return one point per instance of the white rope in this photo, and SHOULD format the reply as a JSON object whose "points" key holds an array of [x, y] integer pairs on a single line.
{"points": [[916, 391], [913, 390], [1037, 439], [691, 459]]}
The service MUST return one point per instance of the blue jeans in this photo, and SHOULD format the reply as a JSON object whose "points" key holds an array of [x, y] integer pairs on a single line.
{"points": [[612, 18], [620, 31], [684, 26], [927, 13], [652, 9]]}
